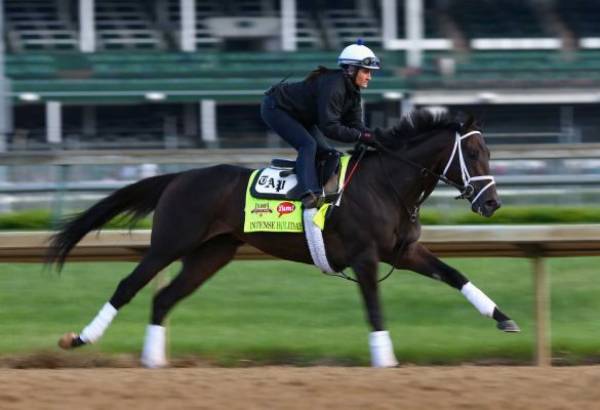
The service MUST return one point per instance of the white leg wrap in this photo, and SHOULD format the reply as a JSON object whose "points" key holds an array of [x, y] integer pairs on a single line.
{"points": [[94, 331], [314, 238], [382, 350], [484, 305], [153, 354]]}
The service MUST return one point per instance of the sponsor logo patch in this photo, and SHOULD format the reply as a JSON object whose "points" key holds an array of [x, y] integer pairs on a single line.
{"points": [[285, 208], [271, 183], [262, 208]]}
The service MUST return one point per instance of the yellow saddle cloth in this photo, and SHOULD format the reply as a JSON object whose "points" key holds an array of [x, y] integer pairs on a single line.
{"points": [[282, 215]]}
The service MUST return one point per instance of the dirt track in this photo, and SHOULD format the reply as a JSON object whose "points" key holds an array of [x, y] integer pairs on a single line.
{"points": [[467, 387]]}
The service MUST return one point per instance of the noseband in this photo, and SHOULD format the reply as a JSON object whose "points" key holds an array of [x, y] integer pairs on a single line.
{"points": [[468, 190]]}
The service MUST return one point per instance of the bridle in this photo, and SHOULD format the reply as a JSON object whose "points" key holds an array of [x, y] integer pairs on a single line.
{"points": [[467, 190]]}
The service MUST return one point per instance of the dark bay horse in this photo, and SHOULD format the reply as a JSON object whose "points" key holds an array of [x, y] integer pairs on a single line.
{"points": [[198, 218]]}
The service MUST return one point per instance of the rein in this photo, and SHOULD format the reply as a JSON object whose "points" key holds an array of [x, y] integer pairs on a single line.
{"points": [[361, 149], [421, 168]]}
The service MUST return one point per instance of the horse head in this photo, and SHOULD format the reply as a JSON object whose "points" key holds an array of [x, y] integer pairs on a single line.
{"points": [[468, 169], [421, 139]]}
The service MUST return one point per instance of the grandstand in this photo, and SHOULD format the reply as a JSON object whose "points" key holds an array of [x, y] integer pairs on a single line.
{"points": [[497, 19], [35, 25], [136, 74], [131, 74], [126, 24], [581, 16]]}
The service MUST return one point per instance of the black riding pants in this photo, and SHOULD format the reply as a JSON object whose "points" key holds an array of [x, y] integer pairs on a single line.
{"points": [[298, 137]]}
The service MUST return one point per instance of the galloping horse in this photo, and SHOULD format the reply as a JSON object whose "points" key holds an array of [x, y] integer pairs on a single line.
{"points": [[198, 218]]}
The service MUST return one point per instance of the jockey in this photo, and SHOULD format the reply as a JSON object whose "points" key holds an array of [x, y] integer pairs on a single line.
{"points": [[326, 102]]}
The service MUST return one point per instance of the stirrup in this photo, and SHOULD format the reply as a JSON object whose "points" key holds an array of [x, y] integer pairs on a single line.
{"points": [[311, 200]]}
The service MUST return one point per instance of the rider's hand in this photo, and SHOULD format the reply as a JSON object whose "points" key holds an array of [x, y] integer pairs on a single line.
{"points": [[367, 137]]}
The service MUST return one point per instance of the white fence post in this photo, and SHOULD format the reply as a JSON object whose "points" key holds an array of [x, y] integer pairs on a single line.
{"points": [[543, 348]]}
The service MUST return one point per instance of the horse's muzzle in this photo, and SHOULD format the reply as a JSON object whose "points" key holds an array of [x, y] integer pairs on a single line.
{"points": [[488, 207]]}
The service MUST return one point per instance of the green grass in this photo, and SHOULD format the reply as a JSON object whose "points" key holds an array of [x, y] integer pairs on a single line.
{"points": [[43, 219], [281, 312]]}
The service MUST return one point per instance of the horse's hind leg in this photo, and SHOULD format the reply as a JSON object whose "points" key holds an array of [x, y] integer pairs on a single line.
{"points": [[421, 260], [197, 268], [152, 263]]}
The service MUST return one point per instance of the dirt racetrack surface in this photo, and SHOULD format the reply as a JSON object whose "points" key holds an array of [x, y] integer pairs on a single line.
{"points": [[463, 387]]}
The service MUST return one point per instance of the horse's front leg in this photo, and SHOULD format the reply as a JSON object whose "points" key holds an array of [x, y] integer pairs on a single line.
{"points": [[380, 344], [421, 260]]}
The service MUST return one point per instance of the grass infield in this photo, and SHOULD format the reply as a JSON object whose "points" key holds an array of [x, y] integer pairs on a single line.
{"points": [[283, 312]]}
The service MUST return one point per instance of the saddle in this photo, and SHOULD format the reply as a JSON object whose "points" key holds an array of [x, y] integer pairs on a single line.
{"points": [[278, 180]]}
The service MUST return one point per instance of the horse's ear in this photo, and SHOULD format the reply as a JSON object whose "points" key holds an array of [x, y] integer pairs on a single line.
{"points": [[469, 123]]}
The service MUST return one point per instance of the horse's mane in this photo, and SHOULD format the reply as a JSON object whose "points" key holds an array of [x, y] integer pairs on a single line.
{"points": [[415, 125]]}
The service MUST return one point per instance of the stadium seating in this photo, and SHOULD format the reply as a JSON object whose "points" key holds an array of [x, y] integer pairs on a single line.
{"points": [[525, 67], [210, 65], [126, 24], [432, 24], [581, 16], [344, 26], [476, 65], [33, 25], [204, 9], [51, 25], [139, 52], [496, 19], [307, 34]]}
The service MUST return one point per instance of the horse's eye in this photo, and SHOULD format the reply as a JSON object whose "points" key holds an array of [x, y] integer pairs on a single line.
{"points": [[474, 155]]}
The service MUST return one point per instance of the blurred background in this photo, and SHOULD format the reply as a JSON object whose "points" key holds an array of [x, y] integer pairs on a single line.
{"points": [[99, 93]]}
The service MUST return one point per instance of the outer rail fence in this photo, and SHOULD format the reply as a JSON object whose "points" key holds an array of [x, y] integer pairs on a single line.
{"points": [[535, 242], [250, 156], [526, 173], [65, 160]]}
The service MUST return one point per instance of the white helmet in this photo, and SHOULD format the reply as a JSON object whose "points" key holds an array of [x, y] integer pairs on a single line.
{"points": [[359, 55]]}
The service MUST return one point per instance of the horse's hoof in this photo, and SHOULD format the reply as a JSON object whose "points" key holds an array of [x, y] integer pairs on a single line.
{"points": [[509, 326], [69, 341], [154, 363]]}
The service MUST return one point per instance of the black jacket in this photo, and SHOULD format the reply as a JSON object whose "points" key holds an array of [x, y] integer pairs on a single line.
{"points": [[330, 101]]}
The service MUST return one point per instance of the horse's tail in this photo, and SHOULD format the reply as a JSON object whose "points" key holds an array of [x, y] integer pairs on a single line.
{"points": [[135, 200]]}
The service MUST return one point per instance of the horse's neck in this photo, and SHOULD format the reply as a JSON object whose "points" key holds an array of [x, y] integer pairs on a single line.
{"points": [[395, 177], [429, 159]]}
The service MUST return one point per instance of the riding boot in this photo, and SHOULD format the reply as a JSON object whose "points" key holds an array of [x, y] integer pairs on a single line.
{"points": [[296, 192], [306, 171]]}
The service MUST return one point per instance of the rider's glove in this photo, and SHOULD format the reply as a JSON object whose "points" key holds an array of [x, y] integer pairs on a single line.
{"points": [[366, 137]]}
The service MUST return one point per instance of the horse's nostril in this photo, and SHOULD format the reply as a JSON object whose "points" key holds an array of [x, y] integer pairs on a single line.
{"points": [[493, 204]]}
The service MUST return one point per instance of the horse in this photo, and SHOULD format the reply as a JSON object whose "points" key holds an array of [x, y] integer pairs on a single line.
{"points": [[198, 219]]}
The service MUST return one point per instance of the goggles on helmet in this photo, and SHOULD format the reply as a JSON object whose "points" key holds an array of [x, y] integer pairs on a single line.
{"points": [[368, 62]]}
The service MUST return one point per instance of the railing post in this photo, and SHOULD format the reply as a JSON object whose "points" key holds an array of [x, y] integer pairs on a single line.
{"points": [[543, 348]]}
